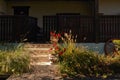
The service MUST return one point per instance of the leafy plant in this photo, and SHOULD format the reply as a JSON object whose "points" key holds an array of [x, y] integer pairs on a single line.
{"points": [[76, 60], [84, 62]]}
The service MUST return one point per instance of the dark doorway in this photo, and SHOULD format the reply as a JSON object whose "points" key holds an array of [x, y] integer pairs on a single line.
{"points": [[21, 10]]}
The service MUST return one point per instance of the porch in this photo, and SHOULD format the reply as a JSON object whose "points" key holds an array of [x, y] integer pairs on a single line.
{"points": [[87, 28], [16, 28]]}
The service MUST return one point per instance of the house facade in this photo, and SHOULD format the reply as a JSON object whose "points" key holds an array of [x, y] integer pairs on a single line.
{"points": [[3, 7], [39, 8], [82, 16], [109, 7]]}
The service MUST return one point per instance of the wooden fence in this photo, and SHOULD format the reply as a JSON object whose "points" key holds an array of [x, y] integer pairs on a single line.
{"points": [[84, 26], [16, 28]]}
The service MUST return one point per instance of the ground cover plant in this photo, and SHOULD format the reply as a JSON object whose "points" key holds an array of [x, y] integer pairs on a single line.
{"points": [[78, 60]]}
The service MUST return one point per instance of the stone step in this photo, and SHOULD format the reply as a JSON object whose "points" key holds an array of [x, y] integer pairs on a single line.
{"points": [[38, 45], [43, 49], [45, 68], [40, 59], [37, 52], [40, 63], [40, 55]]}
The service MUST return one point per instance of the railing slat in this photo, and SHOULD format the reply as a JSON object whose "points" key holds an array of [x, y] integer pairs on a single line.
{"points": [[83, 26], [10, 26]]}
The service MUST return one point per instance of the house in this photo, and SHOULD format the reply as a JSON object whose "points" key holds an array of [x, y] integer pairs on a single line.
{"points": [[91, 20]]}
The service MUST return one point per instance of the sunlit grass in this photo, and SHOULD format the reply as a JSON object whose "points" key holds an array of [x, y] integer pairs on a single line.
{"points": [[14, 59]]}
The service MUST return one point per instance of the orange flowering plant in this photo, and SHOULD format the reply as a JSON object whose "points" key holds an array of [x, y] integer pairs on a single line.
{"points": [[57, 48], [63, 44], [54, 37]]}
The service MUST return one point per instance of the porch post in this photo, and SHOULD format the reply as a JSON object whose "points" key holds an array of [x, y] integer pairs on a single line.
{"points": [[96, 20]]}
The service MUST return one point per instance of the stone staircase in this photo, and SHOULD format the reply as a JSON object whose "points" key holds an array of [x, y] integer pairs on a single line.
{"points": [[41, 63], [42, 67], [39, 54]]}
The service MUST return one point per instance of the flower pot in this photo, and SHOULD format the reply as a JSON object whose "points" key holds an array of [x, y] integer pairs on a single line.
{"points": [[4, 76]]}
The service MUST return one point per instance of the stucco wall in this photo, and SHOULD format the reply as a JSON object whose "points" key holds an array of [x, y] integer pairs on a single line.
{"points": [[40, 8], [109, 7], [2, 7]]}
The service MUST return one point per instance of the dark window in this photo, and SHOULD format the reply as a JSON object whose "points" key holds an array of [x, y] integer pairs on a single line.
{"points": [[21, 10]]}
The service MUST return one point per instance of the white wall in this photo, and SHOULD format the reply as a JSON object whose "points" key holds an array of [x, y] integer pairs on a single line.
{"points": [[109, 7], [40, 8], [2, 7]]}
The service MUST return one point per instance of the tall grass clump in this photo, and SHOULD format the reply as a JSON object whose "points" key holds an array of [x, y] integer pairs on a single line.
{"points": [[14, 59]]}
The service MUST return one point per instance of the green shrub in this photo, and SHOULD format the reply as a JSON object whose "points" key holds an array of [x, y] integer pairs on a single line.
{"points": [[75, 60], [115, 64], [89, 63], [82, 61], [14, 61]]}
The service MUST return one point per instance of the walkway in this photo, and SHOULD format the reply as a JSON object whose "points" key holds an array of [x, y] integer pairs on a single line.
{"points": [[42, 68]]}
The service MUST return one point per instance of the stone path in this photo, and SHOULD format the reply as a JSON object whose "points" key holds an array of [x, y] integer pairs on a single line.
{"points": [[42, 67]]}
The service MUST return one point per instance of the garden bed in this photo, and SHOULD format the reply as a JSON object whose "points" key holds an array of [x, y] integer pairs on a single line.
{"points": [[79, 60], [14, 59]]}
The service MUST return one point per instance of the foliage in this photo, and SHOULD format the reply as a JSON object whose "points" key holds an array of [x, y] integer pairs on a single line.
{"points": [[64, 41], [75, 60], [14, 61], [115, 64], [56, 49], [117, 44], [54, 37], [83, 62]]}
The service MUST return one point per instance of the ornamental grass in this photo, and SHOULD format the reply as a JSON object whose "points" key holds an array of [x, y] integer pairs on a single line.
{"points": [[74, 60]]}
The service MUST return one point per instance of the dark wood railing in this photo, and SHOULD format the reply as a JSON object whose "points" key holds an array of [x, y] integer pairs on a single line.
{"points": [[84, 26], [109, 27], [15, 28], [86, 29], [6, 29], [49, 24]]}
